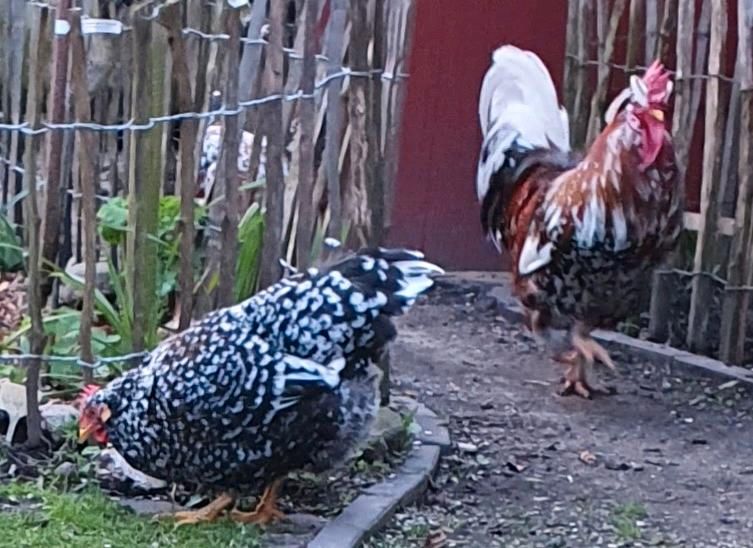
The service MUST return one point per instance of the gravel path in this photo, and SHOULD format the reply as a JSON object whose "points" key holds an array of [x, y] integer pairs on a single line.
{"points": [[667, 461]]}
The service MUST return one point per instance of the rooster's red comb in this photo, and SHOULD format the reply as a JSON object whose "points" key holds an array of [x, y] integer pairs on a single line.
{"points": [[658, 82]]}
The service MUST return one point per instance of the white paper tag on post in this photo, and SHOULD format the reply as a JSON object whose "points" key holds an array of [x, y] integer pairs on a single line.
{"points": [[62, 27], [237, 3], [101, 26]]}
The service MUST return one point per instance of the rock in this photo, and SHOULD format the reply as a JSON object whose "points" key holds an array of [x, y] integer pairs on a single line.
{"points": [[66, 470], [467, 447], [387, 427], [58, 415], [150, 507], [13, 403], [69, 295], [113, 470]]}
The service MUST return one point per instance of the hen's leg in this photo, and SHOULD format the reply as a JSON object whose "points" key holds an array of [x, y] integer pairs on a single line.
{"points": [[209, 513], [266, 511]]}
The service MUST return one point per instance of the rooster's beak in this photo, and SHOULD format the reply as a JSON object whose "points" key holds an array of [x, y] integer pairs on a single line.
{"points": [[657, 113]]}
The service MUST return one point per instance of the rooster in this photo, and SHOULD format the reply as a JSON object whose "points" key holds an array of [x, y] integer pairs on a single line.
{"points": [[281, 382], [583, 231]]}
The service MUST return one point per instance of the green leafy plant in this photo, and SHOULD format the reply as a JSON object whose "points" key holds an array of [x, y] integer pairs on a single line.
{"points": [[250, 238], [11, 252]]}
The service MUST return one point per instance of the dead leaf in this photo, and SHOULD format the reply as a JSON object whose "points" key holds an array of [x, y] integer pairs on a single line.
{"points": [[436, 539], [587, 457]]}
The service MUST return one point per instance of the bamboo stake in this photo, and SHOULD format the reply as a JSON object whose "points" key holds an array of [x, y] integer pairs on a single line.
{"points": [[307, 117], [697, 338], [740, 270], [333, 50], [606, 50], [87, 149], [272, 245], [37, 17]]}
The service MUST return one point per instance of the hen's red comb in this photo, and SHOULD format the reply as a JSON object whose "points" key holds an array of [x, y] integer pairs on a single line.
{"points": [[656, 79], [86, 392]]}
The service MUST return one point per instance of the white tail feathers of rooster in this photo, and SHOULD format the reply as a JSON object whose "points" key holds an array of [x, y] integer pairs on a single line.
{"points": [[518, 106]]}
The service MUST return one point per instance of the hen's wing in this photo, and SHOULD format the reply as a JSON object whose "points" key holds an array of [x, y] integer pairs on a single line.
{"points": [[230, 379]]}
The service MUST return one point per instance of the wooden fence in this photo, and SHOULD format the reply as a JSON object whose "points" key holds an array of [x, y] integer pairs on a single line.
{"points": [[104, 98], [709, 43]]}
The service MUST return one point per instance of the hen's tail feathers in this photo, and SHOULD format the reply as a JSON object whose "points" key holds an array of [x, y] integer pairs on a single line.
{"points": [[518, 111], [398, 275]]}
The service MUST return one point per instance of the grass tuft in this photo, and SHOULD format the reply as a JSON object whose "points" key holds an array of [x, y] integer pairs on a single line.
{"points": [[32, 517]]}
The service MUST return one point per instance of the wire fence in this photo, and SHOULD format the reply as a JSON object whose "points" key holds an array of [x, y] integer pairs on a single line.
{"points": [[311, 100], [713, 84]]}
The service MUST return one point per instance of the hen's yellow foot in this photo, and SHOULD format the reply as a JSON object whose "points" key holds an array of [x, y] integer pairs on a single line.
{"points": [[203, 515], [265, 512]]}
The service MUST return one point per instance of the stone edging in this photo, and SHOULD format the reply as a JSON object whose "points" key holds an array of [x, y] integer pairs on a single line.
{"points": [[373, 509], [658, 354]]}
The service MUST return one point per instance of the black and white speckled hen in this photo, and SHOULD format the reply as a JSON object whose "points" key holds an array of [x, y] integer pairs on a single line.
{"points": [[281, 382]]}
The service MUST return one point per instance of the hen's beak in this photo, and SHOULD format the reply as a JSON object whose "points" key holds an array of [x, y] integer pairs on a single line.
{"points": [[84, 432]]}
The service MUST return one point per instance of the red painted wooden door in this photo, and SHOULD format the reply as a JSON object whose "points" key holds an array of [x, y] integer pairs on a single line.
{"points": [[435, 204]]}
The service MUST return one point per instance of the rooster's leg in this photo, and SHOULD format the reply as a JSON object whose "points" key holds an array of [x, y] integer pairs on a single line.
{"points": [[266, 511], [209, 513], [579, 376], [590, 349], [575, 379]]}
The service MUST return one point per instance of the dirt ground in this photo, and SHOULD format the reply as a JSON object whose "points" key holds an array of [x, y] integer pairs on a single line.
{"points": [[666, 461]]}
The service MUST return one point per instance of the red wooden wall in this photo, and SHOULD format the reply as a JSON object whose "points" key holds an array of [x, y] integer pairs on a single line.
{"points": [[435, 204]]}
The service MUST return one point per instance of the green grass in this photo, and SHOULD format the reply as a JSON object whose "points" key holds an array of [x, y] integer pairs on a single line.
{"points": [[51, 519], [624, 520]]}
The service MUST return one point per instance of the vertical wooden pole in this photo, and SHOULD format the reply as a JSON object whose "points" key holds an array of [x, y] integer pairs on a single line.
{"points": [[252, 55], [571, 53], [55, 192], [606, 50], [359, 98], [171, 19], [668, 22], [377, 188], [87, 150], [636, 33], [333, 50], [272, 117], [144, 183], [697, 339], [307, 117], [33, 223], [580, 102], [231, 142], [740, 269], [660, 309]]}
